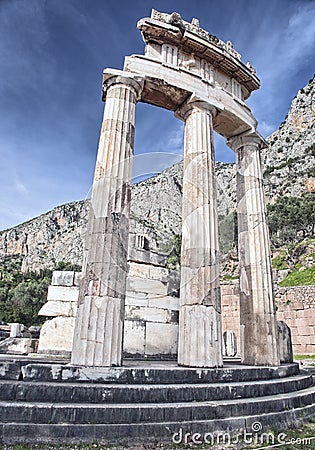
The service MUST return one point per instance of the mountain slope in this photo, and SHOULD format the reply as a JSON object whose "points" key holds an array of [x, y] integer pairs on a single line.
{"points": [[289, 169]]}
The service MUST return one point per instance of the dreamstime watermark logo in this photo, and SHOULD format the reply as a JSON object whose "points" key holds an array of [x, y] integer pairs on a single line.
{"points": [[254, 436]]}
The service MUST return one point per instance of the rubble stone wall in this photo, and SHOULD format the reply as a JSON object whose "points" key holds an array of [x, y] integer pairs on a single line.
{"points": [[295, 306]]}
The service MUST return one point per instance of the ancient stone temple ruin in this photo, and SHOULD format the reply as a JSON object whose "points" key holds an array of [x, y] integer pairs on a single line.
{"points": [[203, 80]]}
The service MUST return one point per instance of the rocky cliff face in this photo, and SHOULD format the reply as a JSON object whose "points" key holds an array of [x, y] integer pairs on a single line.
{"points": [[289, 161], [155, 214], [289, 169], [48, 239]]}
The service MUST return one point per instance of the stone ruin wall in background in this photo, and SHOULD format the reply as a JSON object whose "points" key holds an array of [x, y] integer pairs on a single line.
{"points": [[295, 306]]}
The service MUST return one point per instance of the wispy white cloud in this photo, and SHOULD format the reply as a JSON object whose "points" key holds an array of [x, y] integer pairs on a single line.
{"points": [[298, 41], [266, 128], [283, 47], [21, 188], [148, 164], [176, 138], [51, 58]]}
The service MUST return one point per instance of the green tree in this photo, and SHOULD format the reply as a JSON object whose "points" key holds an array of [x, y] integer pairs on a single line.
{"points": [[173, 261], [23, 294], [291, 218]]}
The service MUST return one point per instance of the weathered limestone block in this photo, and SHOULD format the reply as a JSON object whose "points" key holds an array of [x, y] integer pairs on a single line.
{"points": [[155, 287], [18, 346], [285, 343], [161, 339], [200, 303], [159, 273], [148, 314], [229, 343], [77, 278], [168, 302], [63, 293], [99, 325], [134, 337], [54, 308], [136, 298], [257, 309], [137, 270], [202, 346], [63, 278], [16, 330], [56, 336]]}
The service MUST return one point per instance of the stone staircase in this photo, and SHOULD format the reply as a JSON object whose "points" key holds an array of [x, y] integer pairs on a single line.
{"points": [[147, 402]]}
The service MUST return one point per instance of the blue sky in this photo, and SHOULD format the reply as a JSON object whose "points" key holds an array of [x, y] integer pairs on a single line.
{"points": [[52, 53]]}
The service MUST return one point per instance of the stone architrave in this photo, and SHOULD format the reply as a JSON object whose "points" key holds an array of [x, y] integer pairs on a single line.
{"points": [[100, 317], [257, 308], [200, 334]]}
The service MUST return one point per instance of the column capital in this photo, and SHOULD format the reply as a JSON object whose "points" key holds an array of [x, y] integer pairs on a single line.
{"points": [[136, 83], [192, 104], [252, 138]]}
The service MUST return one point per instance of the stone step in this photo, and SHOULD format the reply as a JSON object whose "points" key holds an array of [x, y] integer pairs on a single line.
{"points": [[152, 433], [50, 413], [11, 367], [148, 374], [155, 393]]}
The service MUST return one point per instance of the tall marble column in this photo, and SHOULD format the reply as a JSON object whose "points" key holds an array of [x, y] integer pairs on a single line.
{"points": [[257, 308], [100, 317], [200, 335]]}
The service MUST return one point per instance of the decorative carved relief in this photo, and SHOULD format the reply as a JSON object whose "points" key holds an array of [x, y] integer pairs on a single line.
{"points": [[207, 71], [230, 49], [251, 68], [169, 55], [176, 20], [140, 241], [236, 89], [189, 63]]}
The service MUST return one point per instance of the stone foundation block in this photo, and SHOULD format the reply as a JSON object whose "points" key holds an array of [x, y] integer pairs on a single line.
{"points": [[63, 293], [63, 278], [166, 302], [134, 337], [56, 335], [147, 314], [54, 308], [136, 299], [161, 338], [19, 346], [146, 286]]}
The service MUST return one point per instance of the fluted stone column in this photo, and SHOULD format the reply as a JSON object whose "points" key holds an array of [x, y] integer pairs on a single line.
{"points": [[257, 308], [200, 334], [100, 317]]}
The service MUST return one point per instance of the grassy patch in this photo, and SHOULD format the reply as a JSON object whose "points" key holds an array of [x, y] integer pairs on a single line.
{"points": [[302, 357], [229, 277], [304, 277], [279, 263]]}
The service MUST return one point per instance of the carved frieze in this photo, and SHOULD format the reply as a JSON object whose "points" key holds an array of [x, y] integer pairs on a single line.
{"points": [[194, 27], [169, 55], [207, 71], [236, 89]]}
